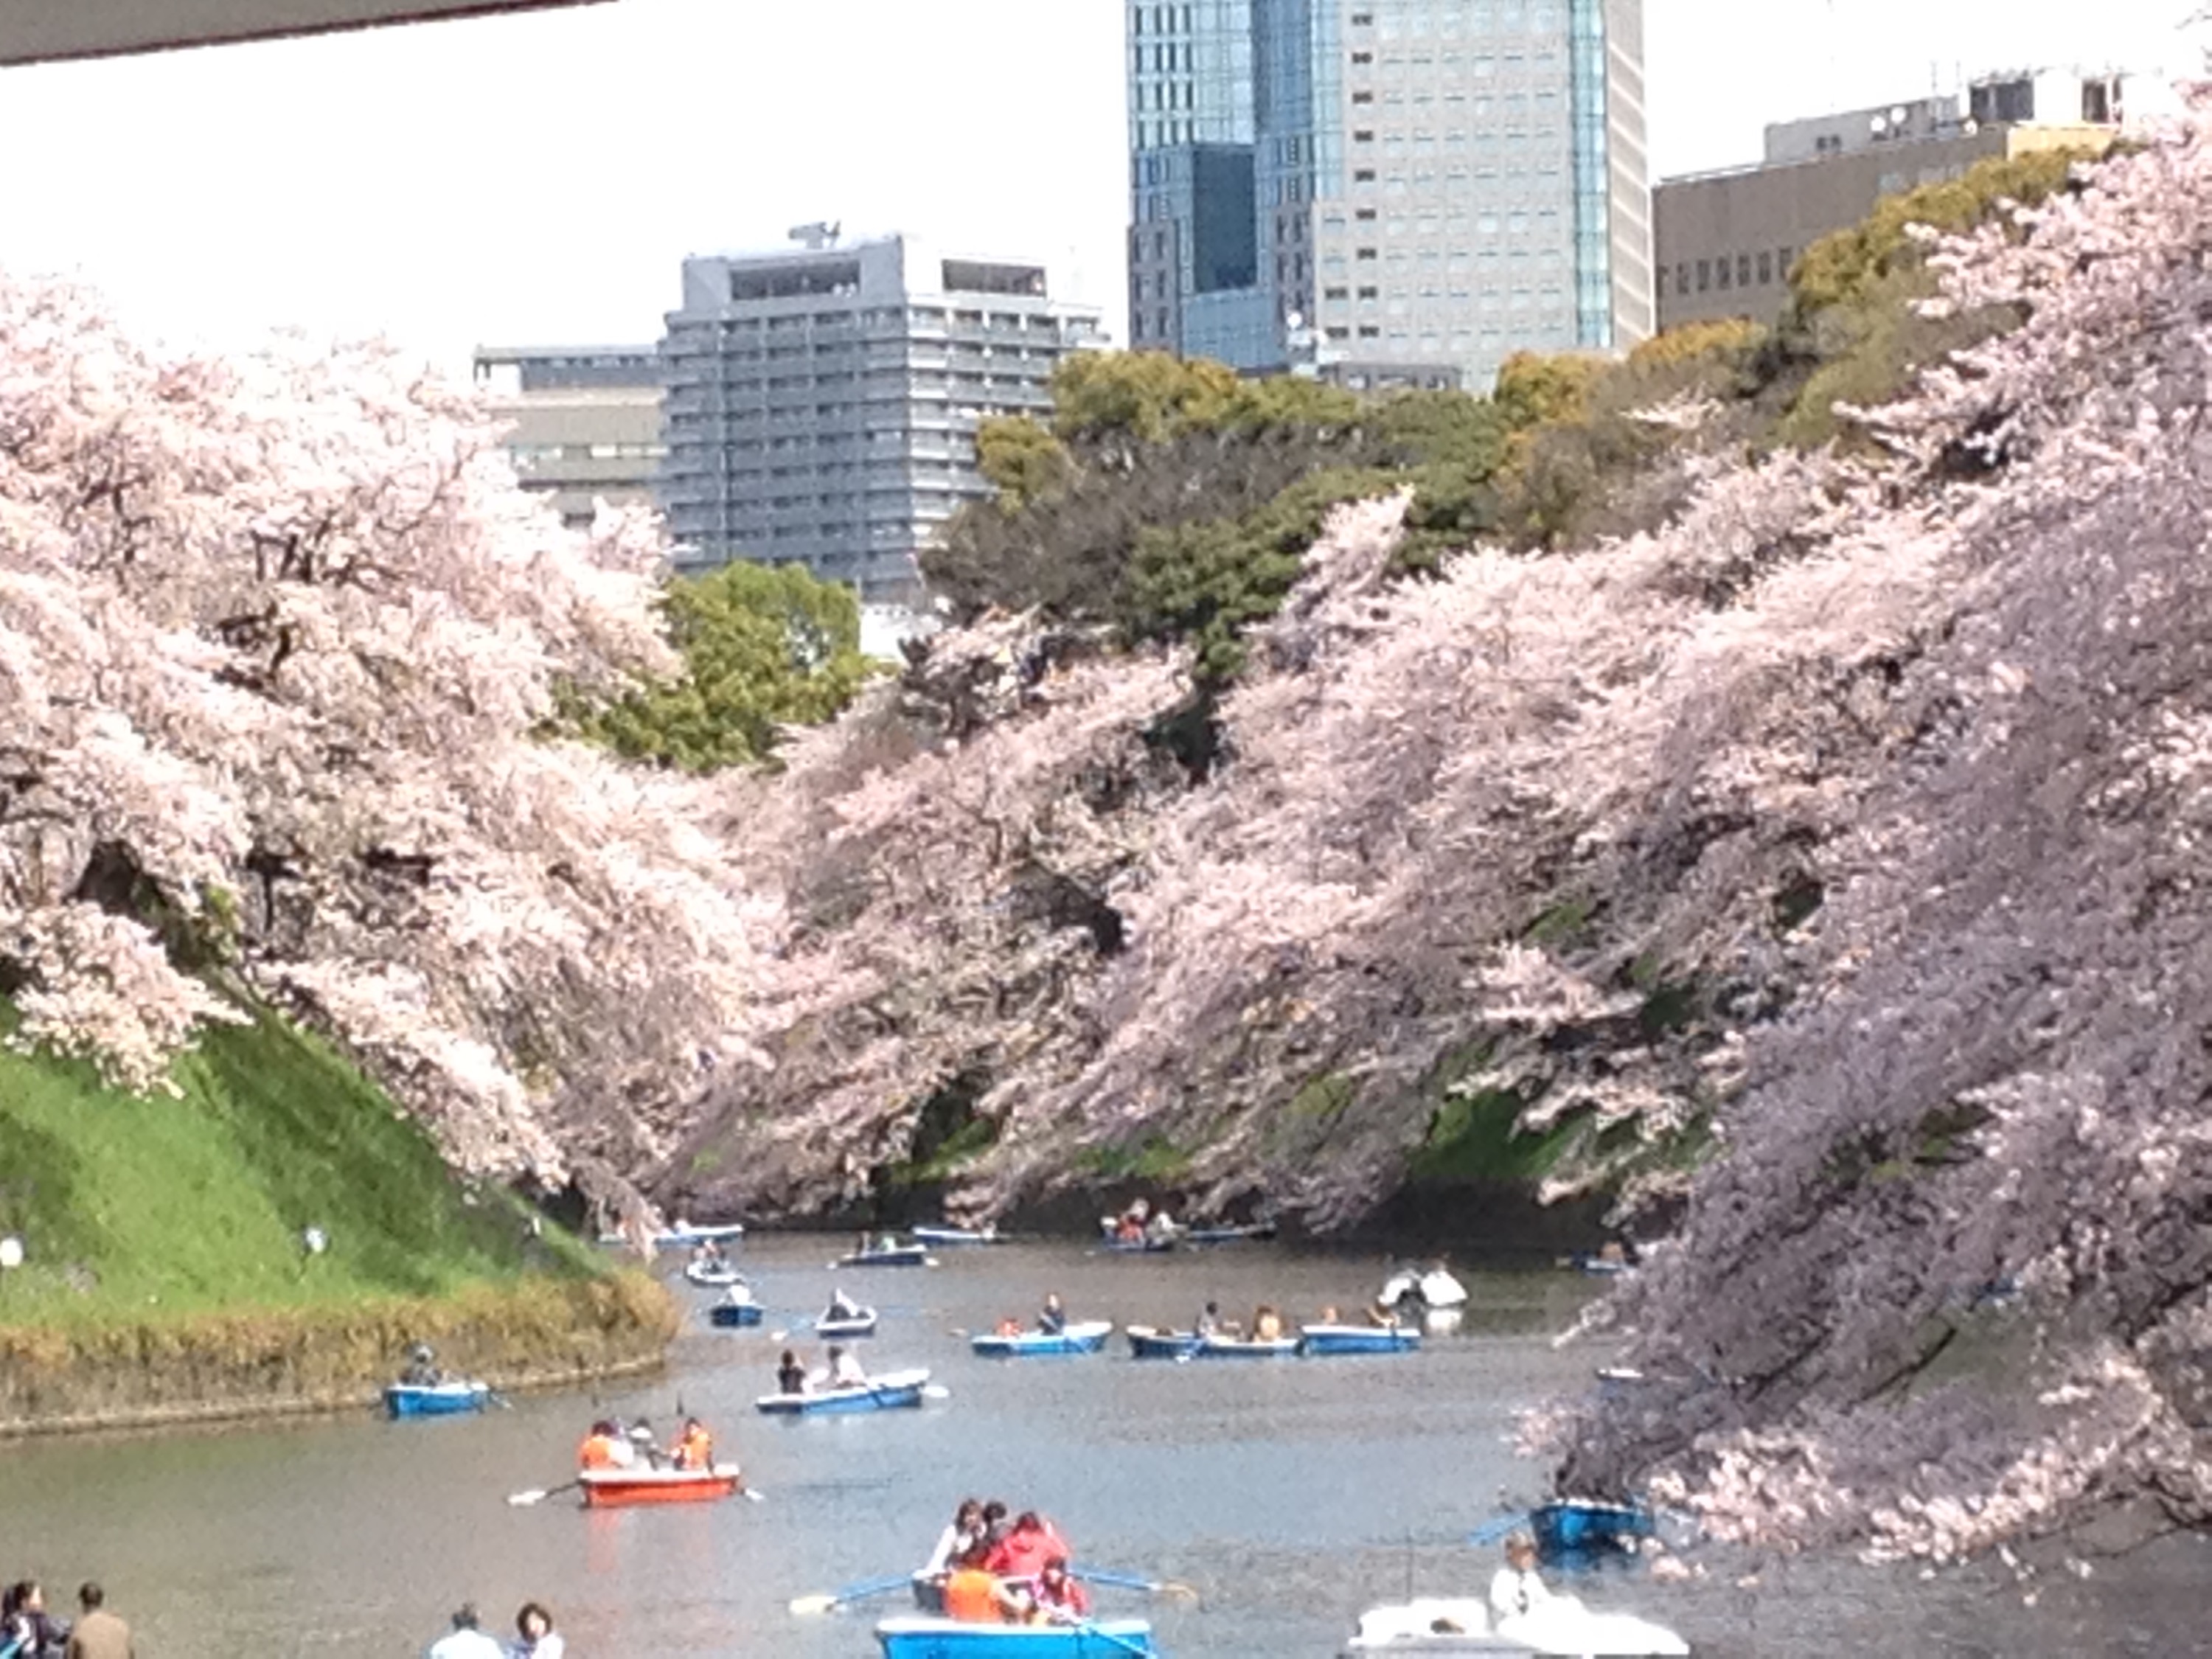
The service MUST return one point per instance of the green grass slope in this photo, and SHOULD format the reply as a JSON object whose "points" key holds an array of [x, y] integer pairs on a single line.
{"points": [[138, 1209]]}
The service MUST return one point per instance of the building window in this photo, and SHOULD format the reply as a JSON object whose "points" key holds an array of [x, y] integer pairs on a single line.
{"points": [[1363, 176], [1682, 278], [1363, 57], [1362, 135], [1765, 269], [1363, 253], [1704, 275], [1363, 213], [1363, 97], [1743, 270], [1784, 260], [1720, 275]]}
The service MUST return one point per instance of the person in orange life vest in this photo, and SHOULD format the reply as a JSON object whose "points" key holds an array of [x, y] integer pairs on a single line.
{"points": [[974, 1595], [1058, 1598], [695, 1447], [603, 1448], [1023, 1552]]}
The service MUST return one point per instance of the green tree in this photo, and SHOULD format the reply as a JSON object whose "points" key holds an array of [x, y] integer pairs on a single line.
{"points": [[763, 648], [1023, 460]]}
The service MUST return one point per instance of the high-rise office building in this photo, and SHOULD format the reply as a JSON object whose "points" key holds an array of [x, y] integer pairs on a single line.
{"points": [[1387, 190], [822, 403]]}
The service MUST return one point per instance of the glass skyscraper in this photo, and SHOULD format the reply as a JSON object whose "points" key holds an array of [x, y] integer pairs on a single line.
{"points": [[1390, 191]]}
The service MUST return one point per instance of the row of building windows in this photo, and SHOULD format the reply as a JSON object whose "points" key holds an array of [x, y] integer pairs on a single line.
{"points": [[1453, 17], [1163, 19], [1760, 270]]}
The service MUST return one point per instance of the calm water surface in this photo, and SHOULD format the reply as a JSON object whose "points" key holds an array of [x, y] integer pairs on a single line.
{"points": [[1292, 1493]]}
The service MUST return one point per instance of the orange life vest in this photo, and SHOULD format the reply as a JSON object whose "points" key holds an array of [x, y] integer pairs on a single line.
{"points": [[971, 1596], [696, 1450], [597, 1452]]}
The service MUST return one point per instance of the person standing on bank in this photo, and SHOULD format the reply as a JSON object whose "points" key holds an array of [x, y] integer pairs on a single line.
{"points": [[99, 1633]]}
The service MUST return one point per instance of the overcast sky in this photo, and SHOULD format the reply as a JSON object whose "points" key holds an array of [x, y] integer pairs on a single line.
{"points": [[538, 178]]}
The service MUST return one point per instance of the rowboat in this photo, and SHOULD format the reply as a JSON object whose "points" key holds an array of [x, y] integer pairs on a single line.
{"points": [[683, 1235], [899, 1255], [1086, 1336], [880, 1394], [615, 1489], [861, 1323], [1147, 1343], [917, 1638], [1316, 1342], [1436, 1288], [1245, 1347], [435, 1398], [1147, 1246], [711, 1275], [1600, 1267], [1202, 1236], [949, 1235], [1464, 1626], [733, 1312], [1582, 1525]]}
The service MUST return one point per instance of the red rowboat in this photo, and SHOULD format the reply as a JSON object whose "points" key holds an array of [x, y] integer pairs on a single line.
{"points": [[620, 1488]]}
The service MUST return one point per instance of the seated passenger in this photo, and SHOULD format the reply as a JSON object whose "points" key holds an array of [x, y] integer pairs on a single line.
{"points": [[603, 1448], [1266, 1325], [695, 1447], [421, 1370], [790, 1374], [973, 1597], [1053, 1318], [1031, 1543], [845, 1370], [1058, 1599], [1516, 1591]]}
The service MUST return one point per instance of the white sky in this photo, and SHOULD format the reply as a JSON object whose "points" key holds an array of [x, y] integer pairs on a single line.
{"points": [[538, 178]]}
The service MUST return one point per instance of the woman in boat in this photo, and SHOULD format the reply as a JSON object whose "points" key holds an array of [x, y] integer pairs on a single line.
{"points": [[1058, 1599], [994, 1522], [1209, 1322], [695, 1447], [24, 1622], [974, 1595], [1053, 1320], [1516, 1591], [1267, 1324], [535, 1637], [790, 1374], [845, 1370], [603, 1448], [1022, 1554], [965, 1532]]}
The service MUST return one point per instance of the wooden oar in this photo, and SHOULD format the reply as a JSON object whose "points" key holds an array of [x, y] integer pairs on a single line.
{"points": [[1113, 1580], [523, 1500], [828, 1601], [1091, 1627], [1493, 1532]]}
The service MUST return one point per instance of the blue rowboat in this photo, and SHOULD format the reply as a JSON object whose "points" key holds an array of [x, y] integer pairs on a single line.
{"points": [[899, 1255], [1087, 1336], [1581, 1525], [1146, 1343], [711, 1275], [1245, 1347], [734, 1315], [945, 1236], [917, 1638], [1136, 1246], [683, 1237], [435, 1398], [861, 1323], [881, 1394], [1319, 1340]]}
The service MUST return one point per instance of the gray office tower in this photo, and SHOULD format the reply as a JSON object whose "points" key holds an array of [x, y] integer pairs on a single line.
{"points": [[1387, 192], [822, 403]]}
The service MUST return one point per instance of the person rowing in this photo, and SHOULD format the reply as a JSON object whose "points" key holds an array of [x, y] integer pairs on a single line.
{"points": [[695, 1447], [843, 1310], [974, 1596], [605, 1448], [1052, 1319], [790, 1374], [1023, 1552], [845, 1370], [1057, 1598]]}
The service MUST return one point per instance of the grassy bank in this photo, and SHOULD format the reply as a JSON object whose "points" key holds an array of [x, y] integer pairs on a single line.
{"points": [[165, 1261]]}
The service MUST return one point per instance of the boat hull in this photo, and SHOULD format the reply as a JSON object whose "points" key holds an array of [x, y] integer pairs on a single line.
{"points": [[1582, 1526], [1146, 1343], [942, 1238], [1323, 1341], [834, 1329], [1229, 1347], [907, 1255], [896, 1392], [712, 1279], [620, 1489], [1137, 1246], [732, 1314], [443, 1400], [1087, 1337], [1464, 1626], [945, 1638], [1205, 1236]]}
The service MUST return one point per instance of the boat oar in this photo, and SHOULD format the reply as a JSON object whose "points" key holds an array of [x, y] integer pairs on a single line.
{"points": [[830, 1601], [1113, 1580], [523, 1500], [1091, 1627]]}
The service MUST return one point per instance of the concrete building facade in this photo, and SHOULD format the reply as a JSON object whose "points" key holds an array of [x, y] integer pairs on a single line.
{"points": [[585, 421], [1387, 191], [1725, 241], [822, 403]]}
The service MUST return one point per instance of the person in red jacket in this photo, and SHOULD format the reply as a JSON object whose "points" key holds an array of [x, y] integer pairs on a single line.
{"points": [[1023, 1552]]}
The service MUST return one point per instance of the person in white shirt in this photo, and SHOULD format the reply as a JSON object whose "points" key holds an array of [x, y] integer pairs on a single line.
{"points": [[1517, 1591], [536, 1637], [464, 1640], [845, 1370]]}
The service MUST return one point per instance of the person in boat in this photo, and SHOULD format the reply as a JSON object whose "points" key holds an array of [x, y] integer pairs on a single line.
{"points": [[1162, 1226], [24, 1622], [1052, 1320], [695, 1447], [790, 1374], [887, 1244], [965, 1532], [1267, 1324], [534, 1635], [845, 1370], [648, 1448], [603, 1448], [841, 1309], [467, 1639], [1028, 1544], [1329, 1315], [1382, 1316], [1057, 1598], [974, 1595], [421, 1370], [995, 1523], [1516, 1591], [1209, 1322]]}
